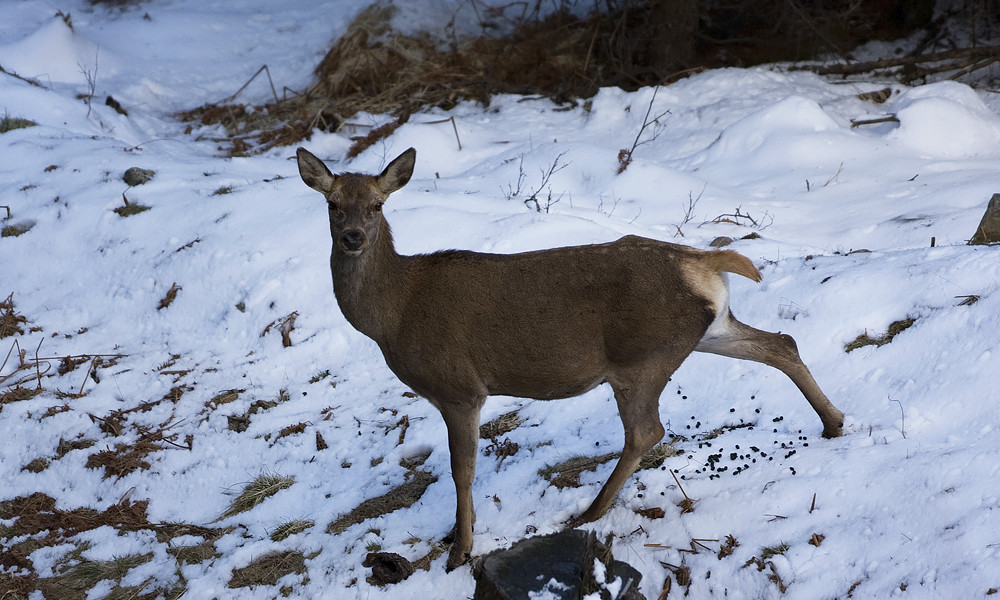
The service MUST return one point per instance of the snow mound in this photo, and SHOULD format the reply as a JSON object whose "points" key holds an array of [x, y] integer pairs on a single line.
{"points": [[946, 120]]}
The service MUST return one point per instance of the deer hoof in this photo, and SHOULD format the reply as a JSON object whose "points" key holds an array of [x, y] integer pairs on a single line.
{"points": [[456, 558]]}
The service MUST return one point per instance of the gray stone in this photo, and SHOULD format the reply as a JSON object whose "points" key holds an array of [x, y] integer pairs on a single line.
{"points": [[567, 557], [136, 176], [988, 231]]}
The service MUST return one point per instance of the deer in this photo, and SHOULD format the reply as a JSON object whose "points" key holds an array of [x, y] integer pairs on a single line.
{"points": [[458, 326]]}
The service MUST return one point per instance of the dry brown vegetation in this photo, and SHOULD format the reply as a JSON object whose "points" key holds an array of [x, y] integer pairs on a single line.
{"points": [[895, 328], [10, 321], [563, 56], [37, 522]]}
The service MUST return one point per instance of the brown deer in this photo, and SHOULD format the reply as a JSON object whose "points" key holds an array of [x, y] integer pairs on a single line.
{"points": [[457, 326]]}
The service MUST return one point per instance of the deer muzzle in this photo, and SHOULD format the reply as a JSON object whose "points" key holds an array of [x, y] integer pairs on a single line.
{"points": [[353, 240]]}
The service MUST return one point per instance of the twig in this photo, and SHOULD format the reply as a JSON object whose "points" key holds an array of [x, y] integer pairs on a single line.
{"points": [[835, 175], [695, 542], [687, 504], [902, 417], [7, 208], [249, 81], [453, 126], [625, 154], [27, 80], [689, 213], [554, 168], [885, 119], [812, 506], [91, 77], [38, 370], [90, 368]]}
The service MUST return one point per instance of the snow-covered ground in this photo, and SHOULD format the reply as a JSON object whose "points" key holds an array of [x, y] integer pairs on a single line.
{"points": [[907, 503]]}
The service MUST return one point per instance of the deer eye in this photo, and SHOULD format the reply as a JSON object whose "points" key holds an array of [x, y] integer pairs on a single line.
{"points": [[377, 207]]}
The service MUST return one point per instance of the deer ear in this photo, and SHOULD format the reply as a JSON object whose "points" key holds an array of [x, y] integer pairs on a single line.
{"points": [[398, 173], [313, 172]]}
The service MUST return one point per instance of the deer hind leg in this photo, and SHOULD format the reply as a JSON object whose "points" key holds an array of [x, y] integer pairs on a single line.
{"points": [[638, 399], [729, 337], [463, 444]]}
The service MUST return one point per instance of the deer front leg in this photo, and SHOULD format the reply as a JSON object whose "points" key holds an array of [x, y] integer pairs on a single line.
{"points": [[463, 443], [638, 406]]}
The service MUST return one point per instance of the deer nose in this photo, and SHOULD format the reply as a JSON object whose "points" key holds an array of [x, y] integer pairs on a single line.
{"points": [[352, 239]]}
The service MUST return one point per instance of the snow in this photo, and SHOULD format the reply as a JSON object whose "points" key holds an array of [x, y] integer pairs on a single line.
{"points": [[906, 500]]}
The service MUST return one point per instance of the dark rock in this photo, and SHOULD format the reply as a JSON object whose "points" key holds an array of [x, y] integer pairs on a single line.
{"points": [[136, 176], [566, 557], [387, 567], [721, 242], [988, 231]]}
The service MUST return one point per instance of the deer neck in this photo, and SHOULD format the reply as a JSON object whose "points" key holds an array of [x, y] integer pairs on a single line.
{"points": [[369, 287]]}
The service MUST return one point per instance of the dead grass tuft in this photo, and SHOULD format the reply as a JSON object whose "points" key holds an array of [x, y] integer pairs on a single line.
{"points": [[285, 326], [18, 394], [290, 430], [195, 553], [169, 297], [402, 496], [268, 569], [257, 491], [76, 580], [567, 473], [501, 425], [10, 321], [895, 328], [37, 513], [122, 459], [9, 123], [660, 452], [224, 398], [290, 528], [133, 208], [16, 229]]}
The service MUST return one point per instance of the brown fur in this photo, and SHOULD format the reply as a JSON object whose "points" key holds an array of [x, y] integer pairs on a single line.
{"points": [[458, 326]]}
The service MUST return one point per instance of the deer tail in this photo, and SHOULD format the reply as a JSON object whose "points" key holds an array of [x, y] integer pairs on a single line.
{"points": [[731, 261]]}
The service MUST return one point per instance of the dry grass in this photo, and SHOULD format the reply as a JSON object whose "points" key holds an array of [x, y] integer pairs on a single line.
{"points": [[9, 123], [36, 522], [256, 492], [567, 473], [17, 394], [290, 528], [501, 425], [565, 57], [895, 328], [284, 325], [195, 553], [373, 69], [268, 569], [170, 296], [16, 229], [402, 496], [10, 321], [75, 581]]}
